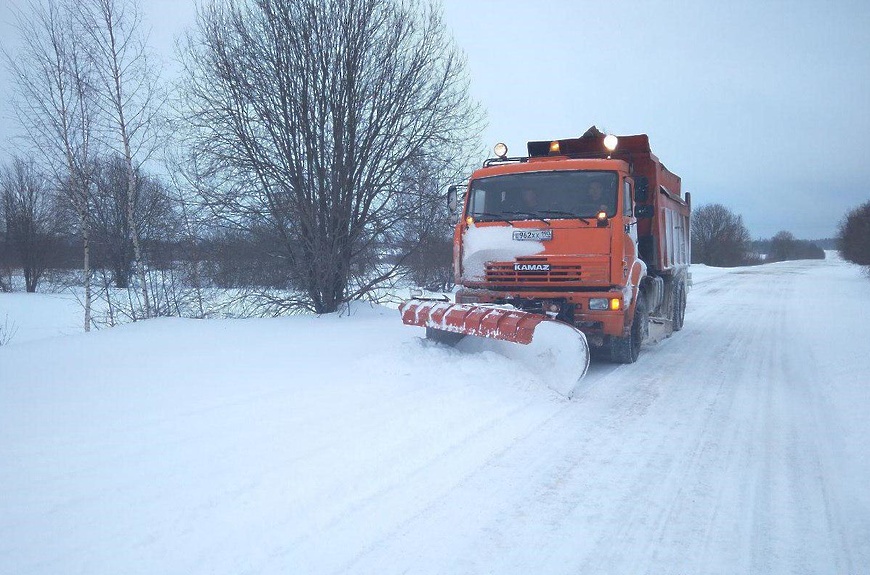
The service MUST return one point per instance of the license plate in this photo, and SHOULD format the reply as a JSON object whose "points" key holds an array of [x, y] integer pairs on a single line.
{"points": [[533, 235]]}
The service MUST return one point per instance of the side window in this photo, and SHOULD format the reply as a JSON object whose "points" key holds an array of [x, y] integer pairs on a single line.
{"points": [[627, 209]]}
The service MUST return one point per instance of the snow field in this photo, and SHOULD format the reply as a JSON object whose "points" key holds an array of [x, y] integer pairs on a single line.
{"points": [[350, 445]]}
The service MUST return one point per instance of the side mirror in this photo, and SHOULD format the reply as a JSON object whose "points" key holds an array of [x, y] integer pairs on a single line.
{"points": [[641, 189], [452, 198], [643, 212]]}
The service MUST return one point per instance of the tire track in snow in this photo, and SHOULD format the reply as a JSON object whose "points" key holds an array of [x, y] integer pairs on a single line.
{"points": [[699, 458]]}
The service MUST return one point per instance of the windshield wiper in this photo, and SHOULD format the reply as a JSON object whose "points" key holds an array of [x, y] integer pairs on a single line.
{"points": [[496, 217], [533, 215], [563, 213]]}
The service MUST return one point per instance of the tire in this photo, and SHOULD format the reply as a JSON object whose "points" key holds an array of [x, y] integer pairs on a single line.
{"points": [[679, 306], [627, 349]]}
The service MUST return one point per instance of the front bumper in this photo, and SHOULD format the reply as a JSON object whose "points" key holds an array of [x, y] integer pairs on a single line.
{"points": [[571, 307]]}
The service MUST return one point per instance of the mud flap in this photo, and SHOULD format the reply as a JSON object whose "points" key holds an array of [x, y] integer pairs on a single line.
{"points": [[554, 350], [659, 328]]}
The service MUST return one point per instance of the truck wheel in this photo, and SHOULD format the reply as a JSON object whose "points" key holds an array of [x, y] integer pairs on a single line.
{"points": [[627, 349], [679, 306]]}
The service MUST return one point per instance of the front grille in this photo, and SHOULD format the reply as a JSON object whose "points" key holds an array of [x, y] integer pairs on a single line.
{"points": [[586, 271]]}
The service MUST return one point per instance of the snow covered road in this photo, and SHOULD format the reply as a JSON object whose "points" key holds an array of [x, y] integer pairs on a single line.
{"points": [[348, 445]]}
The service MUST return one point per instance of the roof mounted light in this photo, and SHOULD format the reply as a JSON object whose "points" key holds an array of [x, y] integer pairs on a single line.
{"points": [[554, 147], [610, 142], [500, 150]]}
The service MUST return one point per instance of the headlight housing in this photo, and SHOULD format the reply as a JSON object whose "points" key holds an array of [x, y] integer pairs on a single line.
{"points": [[604, 304], [598, 304]]}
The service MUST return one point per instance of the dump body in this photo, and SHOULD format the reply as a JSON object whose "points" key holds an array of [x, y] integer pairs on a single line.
{"points": [[535, 233]]}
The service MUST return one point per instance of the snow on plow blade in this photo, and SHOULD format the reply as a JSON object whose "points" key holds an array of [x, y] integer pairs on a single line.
{"points": [[558, 352]]}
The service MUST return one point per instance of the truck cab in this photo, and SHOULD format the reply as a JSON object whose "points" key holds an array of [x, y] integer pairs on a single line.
{"points": [[592, 236]]}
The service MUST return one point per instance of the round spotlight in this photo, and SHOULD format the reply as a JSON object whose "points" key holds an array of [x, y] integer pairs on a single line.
{"points": [[610, 142], [500, 150]]}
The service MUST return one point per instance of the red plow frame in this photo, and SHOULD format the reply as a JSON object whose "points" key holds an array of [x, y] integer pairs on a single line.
{"points": [[494, 322]]}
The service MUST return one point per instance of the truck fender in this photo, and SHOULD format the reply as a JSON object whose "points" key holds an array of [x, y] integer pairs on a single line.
{"points": [[632, 289]]}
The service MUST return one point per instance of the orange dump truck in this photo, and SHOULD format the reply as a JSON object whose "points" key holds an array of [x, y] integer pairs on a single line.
{"points": [[591, 233]]}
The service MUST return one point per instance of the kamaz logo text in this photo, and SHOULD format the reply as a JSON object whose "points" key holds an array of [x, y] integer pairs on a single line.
{"points": [[531, 267]]}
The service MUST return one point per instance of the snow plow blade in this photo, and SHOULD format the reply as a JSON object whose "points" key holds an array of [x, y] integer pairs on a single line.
{"points": [[555, 350]]}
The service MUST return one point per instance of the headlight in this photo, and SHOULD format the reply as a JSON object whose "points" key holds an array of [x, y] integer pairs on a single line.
{"points": [[598, 303], [603, 303]]}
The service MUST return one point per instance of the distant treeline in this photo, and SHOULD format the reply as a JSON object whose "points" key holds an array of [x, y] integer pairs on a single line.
{"points": [[784, 246], [719, 238]]}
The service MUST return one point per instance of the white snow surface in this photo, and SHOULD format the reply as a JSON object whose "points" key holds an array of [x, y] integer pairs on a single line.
{"points": [[562, 348], [481, 244], [331, 444]]}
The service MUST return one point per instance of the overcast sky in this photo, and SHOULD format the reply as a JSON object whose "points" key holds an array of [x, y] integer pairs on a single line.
{"points": [[761, 106]]}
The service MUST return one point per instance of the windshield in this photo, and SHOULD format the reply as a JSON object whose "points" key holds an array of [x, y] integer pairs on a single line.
{"points": [[536, 195]]}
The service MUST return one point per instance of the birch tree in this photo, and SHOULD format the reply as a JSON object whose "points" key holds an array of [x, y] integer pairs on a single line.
{"points": [[128, 97], [53, 103]]}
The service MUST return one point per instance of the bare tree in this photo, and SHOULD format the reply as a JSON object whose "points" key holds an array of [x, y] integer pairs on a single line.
{"points": [[151, 210], [719, 237], [111, 241], [30, 218], [128, 96], [784, 246], [781, 246], [6, 259], [52, 88], [309, 117], [426, 236], [853, 239], [194, 226]]}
